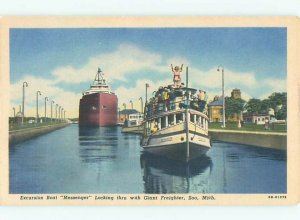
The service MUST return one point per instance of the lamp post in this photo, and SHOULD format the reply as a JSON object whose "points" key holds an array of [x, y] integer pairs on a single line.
{"points": [[56, 112], [25, 84], [141, 104], [220, 66], [14, 112], [37, 105], [61, 114], [65, 115], [124, 111], [118, 114], [131, 104], [46, 99], [59, 108], [51, 110]]}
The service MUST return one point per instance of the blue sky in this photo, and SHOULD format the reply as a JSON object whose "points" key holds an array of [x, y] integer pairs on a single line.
{"points": [[63, 62]]}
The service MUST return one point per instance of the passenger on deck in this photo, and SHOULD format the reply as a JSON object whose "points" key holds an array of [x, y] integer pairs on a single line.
{"points": [[177, 77], [202, 101], [154, 129]]}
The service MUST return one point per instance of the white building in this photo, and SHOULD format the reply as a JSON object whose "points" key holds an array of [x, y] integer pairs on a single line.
{"points": [[255, 118]]}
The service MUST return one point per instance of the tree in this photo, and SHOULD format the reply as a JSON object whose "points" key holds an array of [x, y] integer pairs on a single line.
{"points": [[233, 106], [278, 101], [258, 106], [265, 105], [254, 106]]}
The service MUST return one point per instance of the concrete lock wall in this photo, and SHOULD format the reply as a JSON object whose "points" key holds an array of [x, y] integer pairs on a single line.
{"points": [[28, 133], [264, 139]]}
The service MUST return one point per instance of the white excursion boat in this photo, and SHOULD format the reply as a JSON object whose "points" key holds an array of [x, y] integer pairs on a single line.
{"points": [[175, 126], [134, 123]]}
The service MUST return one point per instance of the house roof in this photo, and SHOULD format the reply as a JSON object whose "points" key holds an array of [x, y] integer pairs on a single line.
{"points": [[218, 102], [128, 111]]}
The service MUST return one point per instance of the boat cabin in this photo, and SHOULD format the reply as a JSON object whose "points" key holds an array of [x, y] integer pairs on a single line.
{"points": [[173, 118], [134, 120]]}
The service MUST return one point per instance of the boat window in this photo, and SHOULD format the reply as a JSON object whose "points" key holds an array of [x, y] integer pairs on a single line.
{"points": [[171, 119], [197, 119], [133, 123], [163, 122], [179, 118], [192, 118]]}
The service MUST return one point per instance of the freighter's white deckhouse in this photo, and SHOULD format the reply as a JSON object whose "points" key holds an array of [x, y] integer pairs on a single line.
{"points": [[174, 125], [99, 85]]}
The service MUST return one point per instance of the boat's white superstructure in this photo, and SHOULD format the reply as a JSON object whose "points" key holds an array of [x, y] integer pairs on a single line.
{"points": [[99, 85], [134, 123]]}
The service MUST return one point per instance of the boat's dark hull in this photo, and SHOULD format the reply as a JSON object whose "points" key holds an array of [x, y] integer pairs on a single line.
{"points": [[98, 109]]}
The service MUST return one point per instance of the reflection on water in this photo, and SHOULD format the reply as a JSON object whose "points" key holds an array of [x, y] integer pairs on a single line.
{"points": [[97, 144], [162, 175], [104, 160]]}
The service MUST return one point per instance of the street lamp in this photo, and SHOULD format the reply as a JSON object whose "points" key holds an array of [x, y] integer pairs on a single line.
{"points": [[37, 105], [59, 108], [46, 99], [124, 106], [131, 104], [51, 110], [61, 115], [141, 104], [25, 84], [14, 111], [65, 115], [220, 66], [56, 112]]}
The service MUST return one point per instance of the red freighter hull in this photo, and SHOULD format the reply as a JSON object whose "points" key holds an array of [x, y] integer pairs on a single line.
{"points": [[98, 109]]}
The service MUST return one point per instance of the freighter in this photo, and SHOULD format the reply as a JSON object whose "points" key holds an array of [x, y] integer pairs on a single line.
{"points": [[98, 105]]}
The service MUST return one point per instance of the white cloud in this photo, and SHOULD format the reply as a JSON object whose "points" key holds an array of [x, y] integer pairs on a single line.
{"points": [[127, 58], [66, 99], [278, 85], [213, 78]]}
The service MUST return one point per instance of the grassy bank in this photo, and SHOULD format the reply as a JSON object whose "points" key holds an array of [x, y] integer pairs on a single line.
{"points": [[248, 127]]}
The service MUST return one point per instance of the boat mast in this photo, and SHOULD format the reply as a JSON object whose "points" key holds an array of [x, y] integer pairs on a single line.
{"points": [[186, 116], [97, 78]]}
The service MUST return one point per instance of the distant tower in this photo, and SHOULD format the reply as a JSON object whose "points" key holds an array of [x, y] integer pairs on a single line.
{"points": [[236, 94]]}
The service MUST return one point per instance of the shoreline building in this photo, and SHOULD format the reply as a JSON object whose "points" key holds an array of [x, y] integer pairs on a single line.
{"points": [[215, 108], [123, 115], [256, 118]]}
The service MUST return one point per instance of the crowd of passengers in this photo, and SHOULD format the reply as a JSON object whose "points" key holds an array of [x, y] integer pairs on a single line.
{"points": [[171, 98]]}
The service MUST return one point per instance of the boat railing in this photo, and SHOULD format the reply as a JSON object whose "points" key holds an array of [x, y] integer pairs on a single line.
{"points": [[177, 104]]}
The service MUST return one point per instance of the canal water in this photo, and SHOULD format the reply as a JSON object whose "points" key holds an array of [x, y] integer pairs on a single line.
{"points": [[104, 160]]}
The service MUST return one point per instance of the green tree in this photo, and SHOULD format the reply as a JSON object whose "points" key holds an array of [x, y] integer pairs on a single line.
{"points": [[258, 106], [233, 106], [265, 105], [254, 105], [278, 101]]}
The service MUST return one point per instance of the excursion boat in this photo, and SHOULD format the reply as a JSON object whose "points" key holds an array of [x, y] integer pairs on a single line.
{"points": [[134, 124], [176, 126], [98, 105]]}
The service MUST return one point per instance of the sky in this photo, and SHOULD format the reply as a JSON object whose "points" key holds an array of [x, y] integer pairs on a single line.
{"points": [[62, 63]]}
